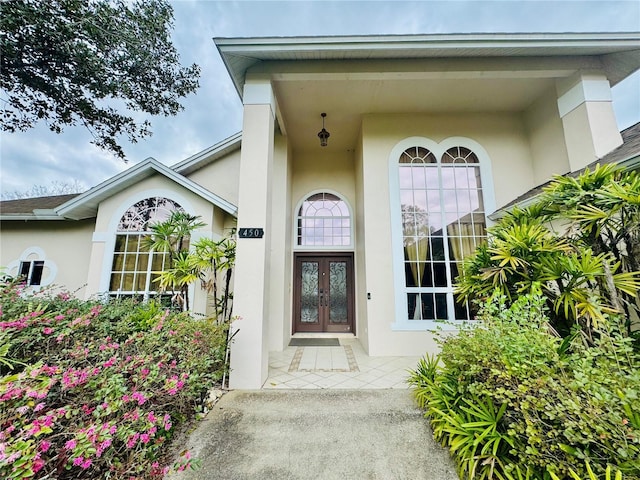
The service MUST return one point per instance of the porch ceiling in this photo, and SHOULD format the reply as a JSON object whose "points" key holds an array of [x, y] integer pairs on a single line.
{"points": [[346, 101]]}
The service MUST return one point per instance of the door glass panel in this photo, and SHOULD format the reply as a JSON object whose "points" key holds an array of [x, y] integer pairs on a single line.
{"points": [[309, 293], [338, 292]]}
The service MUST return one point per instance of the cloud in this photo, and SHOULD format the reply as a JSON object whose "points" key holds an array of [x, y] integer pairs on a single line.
{"points": [[215, 112]]}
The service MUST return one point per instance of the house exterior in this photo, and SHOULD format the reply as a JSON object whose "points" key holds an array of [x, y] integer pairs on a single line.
{"points": [[428, 136]]}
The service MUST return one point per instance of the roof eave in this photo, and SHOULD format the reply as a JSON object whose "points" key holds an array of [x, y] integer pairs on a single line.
{"points": [[257, 48], [208, 155], [86, 205]]}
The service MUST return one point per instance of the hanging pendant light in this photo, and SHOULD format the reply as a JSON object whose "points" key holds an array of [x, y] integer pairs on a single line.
{"points": [[323, 134]]}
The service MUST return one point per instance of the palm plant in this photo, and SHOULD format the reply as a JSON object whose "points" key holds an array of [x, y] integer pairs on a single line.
{"points": [[588, 272], [172, 237], [216, 260]]}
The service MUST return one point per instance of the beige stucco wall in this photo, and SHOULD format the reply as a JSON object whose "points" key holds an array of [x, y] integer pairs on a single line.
{"points": [[546, 138], [503, 137], [280, 278], [221, 176], [362, 329], [65, 243]]}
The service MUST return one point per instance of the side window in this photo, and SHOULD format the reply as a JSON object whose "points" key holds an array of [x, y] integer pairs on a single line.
{"points": [[443, 221], [31, 271]]}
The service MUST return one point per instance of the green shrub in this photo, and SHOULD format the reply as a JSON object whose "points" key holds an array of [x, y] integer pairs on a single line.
{"points": [[513, 401], [96, 391]]}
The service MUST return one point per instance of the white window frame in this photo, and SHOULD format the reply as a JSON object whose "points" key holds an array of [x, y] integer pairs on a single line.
{"points": [[108, 238], [401, 323], [331, 248]]}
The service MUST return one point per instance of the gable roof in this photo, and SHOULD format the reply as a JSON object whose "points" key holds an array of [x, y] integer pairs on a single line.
{"points": [[209, 155], [37, 208], [619, 52], [86, 204], [626, 155]]}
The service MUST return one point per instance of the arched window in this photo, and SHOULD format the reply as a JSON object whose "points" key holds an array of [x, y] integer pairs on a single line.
{"points": [[443, 221], [135, 267], [323, 221]]}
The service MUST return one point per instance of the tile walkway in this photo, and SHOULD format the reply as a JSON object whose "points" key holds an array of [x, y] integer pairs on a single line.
{"points": [[343, 367]]}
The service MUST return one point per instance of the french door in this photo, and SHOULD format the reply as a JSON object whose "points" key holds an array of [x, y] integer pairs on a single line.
{"points": [[323, 292]]}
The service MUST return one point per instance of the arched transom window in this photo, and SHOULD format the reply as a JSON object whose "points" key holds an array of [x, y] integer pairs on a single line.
{"points": [[443, 221], [135, 266], [323, 221]]}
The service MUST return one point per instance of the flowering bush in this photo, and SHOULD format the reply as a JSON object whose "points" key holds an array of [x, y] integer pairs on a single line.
{"points": [[95, 391]]}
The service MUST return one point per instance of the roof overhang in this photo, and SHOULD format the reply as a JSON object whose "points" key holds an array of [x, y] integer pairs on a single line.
{"points": [[619, 53], [86, 205], [209, 155]]}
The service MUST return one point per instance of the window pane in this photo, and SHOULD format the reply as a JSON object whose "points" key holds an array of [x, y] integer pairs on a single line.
{"points": [[323, 220], [443, 223], [24, 269], [36, 274]]}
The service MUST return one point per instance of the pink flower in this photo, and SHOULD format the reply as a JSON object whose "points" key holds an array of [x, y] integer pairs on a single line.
{"points": [[58, 317], [37, 465], [78, 461], [38, 407], [144, 438], [86, 464], [70, 445], [44, 445], [110, 362], [151, 417], [47, 330], [139, 397]]}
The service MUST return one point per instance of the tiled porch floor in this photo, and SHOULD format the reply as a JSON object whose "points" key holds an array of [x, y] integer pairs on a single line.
{"points": [[345, 367]]}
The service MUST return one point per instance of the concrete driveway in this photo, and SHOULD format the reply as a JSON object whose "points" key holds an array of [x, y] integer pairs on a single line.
{"points": [[317, 434]]}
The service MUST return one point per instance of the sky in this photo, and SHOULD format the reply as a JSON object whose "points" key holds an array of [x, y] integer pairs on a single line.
{"points": [[40, 157]]}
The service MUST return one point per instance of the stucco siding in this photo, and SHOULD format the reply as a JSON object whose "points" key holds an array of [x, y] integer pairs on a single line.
{"points": [[220, 177], [66, 246], [501, 135], [546, 138]]}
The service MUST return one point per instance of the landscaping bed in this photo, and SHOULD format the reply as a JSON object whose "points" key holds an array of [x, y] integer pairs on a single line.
{"points": [[96, 391]]}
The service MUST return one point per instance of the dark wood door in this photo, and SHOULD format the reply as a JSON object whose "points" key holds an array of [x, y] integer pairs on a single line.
{"points": [[323, 293]]}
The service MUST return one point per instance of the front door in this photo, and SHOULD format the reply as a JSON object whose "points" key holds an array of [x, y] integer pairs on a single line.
{"points": [[323, 293]]}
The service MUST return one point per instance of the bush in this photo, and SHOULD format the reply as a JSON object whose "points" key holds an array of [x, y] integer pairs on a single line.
{"points": [[96, 391], [513, 401]]}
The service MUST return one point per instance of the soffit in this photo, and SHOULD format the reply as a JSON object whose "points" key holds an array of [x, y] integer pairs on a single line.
{"points": [[346, 101], [620, 51]]}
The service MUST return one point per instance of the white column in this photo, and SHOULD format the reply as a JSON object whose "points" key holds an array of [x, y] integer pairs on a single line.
{"points": [[588, 120], [249, 352]]}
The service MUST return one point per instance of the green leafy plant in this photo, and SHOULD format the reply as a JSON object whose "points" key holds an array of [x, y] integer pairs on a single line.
{"points": [[579, 243], [513, 400], [95, 390]]}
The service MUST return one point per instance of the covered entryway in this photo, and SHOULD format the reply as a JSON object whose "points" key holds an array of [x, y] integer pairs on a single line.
{"points": [[323, 292]]}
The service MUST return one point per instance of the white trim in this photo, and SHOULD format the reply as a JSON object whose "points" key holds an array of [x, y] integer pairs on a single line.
{"points": [[86, 204], [208, 155], [402, 323], [110, 234], [586, 90], [322, 248], [41, 255]]}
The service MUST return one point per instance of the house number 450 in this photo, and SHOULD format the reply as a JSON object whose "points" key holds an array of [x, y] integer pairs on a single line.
{"points": [[250, 232]]}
